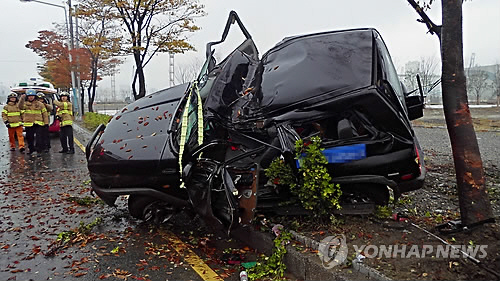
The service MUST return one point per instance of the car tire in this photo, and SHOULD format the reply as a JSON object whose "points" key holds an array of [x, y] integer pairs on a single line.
{"points": [[150, 209]]}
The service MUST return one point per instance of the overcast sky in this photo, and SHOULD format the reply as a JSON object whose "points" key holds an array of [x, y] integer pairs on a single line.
{"points": [[268, 21]]}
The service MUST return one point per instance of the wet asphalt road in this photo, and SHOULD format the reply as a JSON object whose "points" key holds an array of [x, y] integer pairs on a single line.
{"points": [[36, 207], [438, 141]]}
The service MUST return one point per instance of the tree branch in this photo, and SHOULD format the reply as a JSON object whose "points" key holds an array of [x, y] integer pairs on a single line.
{"points": [[433, 28]]}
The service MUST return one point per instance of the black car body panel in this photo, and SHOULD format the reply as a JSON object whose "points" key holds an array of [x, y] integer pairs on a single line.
{"points": [[132, 150], [225, 127]]}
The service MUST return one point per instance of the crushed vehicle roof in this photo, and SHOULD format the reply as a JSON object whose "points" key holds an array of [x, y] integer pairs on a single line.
{"points": [[329, 63]]}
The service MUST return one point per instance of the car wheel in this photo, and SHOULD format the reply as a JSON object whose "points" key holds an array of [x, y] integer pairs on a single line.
{"points": [[150, 209]]}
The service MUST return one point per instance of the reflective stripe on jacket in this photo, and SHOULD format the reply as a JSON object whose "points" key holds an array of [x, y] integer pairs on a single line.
{"points": [[12, 114], [46, 119], [34, 112], [65, 111]]}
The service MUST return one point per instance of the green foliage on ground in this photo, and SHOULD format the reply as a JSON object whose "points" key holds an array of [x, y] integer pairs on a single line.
{"points": [[383, 212], [274, 266], [85, 201], [92, 120], [83, 229]]}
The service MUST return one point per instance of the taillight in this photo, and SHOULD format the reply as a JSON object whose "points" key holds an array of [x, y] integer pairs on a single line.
{"points": [[407, 177], [418, 161]]}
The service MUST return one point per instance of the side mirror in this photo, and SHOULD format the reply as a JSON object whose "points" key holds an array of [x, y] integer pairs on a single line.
{"points": [[415, 104]]}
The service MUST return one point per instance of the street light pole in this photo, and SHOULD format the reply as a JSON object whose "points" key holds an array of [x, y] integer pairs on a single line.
{"points": [[78, 81], [69, 32], [76, 87]]}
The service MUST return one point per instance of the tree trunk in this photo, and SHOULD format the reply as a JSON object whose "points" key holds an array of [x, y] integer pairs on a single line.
{"points": [[91, 100], [139, 74], [82, 98], [94, 86], [473, 199], [93, 83]]}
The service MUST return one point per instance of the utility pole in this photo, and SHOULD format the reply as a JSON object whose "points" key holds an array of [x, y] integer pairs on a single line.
{"points": [[171, 69], [113, 86], [76, 88], [471, 64], [78, 83]]}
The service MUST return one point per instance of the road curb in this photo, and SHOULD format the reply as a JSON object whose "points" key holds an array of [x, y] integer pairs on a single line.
{"points": [[358, 266], [84, 135], [303, 264]]}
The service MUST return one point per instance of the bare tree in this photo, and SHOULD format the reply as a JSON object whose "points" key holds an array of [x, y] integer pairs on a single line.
{"points": [[187, 72], [426, 68], [476, 82], [427, 71], [412, 68]]}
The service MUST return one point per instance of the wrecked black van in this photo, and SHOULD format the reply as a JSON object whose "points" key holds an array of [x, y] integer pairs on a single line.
{"points": [[205, 145]]}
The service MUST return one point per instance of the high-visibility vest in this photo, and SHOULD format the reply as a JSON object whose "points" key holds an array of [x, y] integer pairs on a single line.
{"points": [[65, 111]]}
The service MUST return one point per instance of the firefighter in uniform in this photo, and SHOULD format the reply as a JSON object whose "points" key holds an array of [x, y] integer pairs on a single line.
{"points": [[33, 116], [44, 131], [12, 117], [65, 115]]}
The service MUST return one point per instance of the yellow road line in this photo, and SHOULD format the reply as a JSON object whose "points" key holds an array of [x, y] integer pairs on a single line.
{"points": [[205, 272], [79, 144]]}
